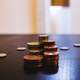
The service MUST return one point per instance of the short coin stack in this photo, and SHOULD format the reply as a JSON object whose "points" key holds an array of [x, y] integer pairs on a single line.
{"points": [[43, 53], [33, 59]]}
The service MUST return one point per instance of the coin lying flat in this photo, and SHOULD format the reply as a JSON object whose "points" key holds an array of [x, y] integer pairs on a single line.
{"points": [[21, 48], [33, 43], [76, 45], [64, 48], [3, 55]]}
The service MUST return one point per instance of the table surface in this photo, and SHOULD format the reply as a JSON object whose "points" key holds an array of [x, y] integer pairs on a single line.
{"points": [[12, 67]]}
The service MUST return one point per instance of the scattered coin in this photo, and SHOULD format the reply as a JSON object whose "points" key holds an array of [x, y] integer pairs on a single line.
{"points": [[3, 55], [76, 45], [21, 48], [64, 48]]}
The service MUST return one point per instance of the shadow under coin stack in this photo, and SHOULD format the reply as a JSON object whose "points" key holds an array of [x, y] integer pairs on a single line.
{"points": [[41, 54]]}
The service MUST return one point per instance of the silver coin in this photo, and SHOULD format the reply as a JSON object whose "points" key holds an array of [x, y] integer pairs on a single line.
{"points": [[64, 48], [76, 45], [21, 48], [3, 55]]}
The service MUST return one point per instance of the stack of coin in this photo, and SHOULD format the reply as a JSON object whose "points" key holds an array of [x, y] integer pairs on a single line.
{"points": [[50, 46], [35, 48], [50, 59], [50, 62], [43, 38], [49, 43], [51, 49], [35, 52], [41, 53], [34, 58], [33, 45], [50, 53]]}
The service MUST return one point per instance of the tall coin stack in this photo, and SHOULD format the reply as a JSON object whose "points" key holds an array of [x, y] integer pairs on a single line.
{"points": [[50, 59]]}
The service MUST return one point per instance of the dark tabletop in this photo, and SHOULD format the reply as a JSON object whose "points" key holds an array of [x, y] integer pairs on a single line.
{"points": [[12, 66]]}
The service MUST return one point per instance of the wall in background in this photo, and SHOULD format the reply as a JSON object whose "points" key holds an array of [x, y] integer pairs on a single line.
{"points": [[60, 20], [75, 5], [53, 19], [42, 16], [66, 20], [15, 16]]}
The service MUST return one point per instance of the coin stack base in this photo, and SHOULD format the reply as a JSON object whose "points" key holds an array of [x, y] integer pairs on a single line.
{"points": [[50, 63], [51, 59], [32, 61]]}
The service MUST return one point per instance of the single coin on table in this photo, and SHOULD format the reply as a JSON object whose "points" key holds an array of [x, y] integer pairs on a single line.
{"points": [[64, 48], [3, 55], [76, 45], [21, 48]]}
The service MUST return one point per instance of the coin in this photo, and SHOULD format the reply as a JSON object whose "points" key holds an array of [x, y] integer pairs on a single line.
{"points": [[3, 55], [64, 48], [76, 45], [21, 48]]}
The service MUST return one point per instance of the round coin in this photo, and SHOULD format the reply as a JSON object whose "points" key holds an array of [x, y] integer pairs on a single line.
{"points": [[3, 55]]}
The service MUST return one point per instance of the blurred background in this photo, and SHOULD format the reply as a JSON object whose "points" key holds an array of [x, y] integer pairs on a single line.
{"points": [[39, 16]]}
